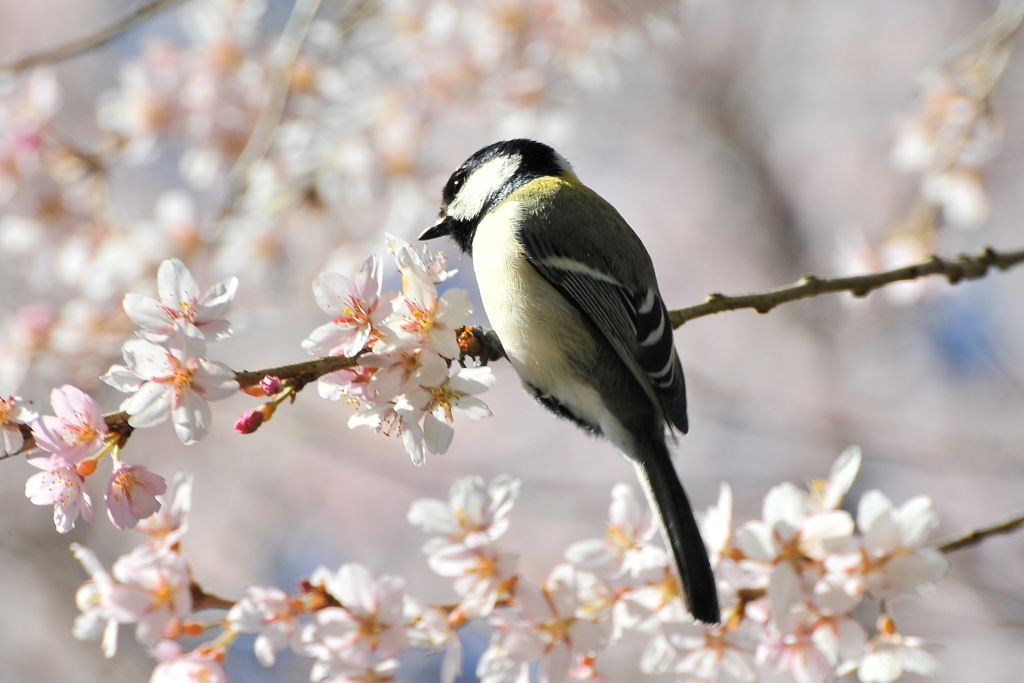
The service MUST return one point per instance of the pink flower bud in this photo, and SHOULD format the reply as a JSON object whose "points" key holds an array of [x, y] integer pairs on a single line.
{"points": [[250, 421], [271, 385]]}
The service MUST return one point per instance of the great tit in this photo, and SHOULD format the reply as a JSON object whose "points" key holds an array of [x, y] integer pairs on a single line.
{"points": [[572, 296]]}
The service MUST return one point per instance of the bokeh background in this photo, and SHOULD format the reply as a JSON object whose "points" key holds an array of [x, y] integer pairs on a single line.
{"points": [[746, 143]]}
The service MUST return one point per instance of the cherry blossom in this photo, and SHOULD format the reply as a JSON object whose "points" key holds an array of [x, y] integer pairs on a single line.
{"points": [[889, 656], [165, 581], [403, 367], [698, 652], [626, 549], [483, 573], [472, 508], [181, 308], [167, 525], [171, 382], [356, 305], [551, 631], [423, 316], [105, 604], [76, 431], [893, 539], [716, 525], [354, 383], [61, 486], [432, 264], [392, 418], [14, 411], [368, 623], [194, 667], [437, 404], [131, 494], [269, 613]]}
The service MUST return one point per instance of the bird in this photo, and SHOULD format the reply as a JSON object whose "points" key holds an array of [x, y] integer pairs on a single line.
{"points": [[572, 296]]}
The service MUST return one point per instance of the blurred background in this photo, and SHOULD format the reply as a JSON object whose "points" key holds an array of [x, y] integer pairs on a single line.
{"points": [[746, 143]]}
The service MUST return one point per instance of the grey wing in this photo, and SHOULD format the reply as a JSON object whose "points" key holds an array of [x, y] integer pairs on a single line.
{"points": [[634, 321]]}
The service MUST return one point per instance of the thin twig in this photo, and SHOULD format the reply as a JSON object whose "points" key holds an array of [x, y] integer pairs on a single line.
{"points": [[90, 42], [975, 536], [962, 267], [281, 60]]}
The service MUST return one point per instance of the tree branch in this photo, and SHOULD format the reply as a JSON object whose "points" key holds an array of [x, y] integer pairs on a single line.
{"points": [[962, 267], [281, 60], [82, 45], [972, 537]]}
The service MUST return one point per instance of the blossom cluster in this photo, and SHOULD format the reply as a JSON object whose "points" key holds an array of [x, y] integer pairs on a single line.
{"points": [[411, 380], [166, 376], [788, 583], [367, 98]]}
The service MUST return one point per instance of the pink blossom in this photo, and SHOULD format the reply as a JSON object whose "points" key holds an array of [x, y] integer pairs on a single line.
{"points": [[897, 563], [889, 656], [171, 382], [355, 383], [195, 667], [167, 525], [424, 317], [105, 604], [391, 418], [627, 548], [131, 494], [369, 621], [472, 508], [164, 580], [356, 307], [14, 411], [433, 265], [698, 652], [77, 431], [60, 486], [438, 404], [403, 367], [552, 629], [716, 525], [483, 574], [181, 308], [267, 612]]}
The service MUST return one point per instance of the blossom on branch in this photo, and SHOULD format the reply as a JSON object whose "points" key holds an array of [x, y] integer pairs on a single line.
{"points": [[368, 624], [76, 431], [269, 613], [59, 485], [627, 548], [171, 381], [131, 494], [181, 309], [896, 561], [356, 305], [14, 411], [472, 508]]}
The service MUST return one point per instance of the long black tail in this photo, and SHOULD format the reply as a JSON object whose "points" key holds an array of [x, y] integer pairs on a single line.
{"points": [[668, 500]]}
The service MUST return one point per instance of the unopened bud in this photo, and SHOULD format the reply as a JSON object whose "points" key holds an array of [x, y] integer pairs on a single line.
{"points": [[85, 467], [249, 422], [271, 385]]}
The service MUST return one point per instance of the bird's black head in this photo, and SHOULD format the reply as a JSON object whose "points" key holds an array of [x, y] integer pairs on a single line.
{"points": [[485, 179]]}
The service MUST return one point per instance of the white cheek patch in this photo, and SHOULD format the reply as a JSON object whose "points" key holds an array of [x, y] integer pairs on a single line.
{"points": [[485, 181]]}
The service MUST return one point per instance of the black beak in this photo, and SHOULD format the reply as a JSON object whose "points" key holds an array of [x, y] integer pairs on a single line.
{"points": [[438, 228]]}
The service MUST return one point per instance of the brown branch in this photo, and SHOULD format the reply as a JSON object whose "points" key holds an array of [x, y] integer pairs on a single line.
{"points": [[972, 537], [962, 267], [202, 600], [90, 42]]}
